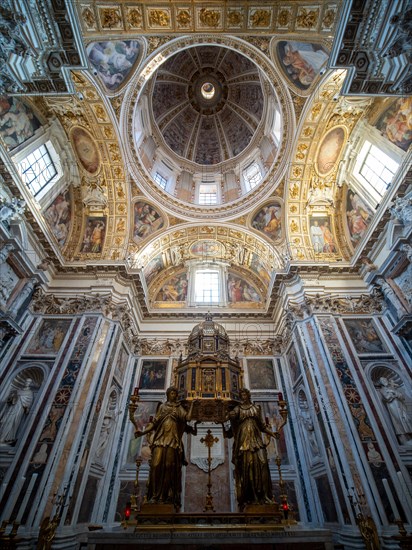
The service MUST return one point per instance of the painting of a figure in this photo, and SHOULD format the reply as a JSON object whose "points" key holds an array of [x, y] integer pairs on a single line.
{"points": [[207, 248], [364, 336], [147, 220], [94, 234], [239, 290], [330, 150], [396, 123], [301, 61], [86, 149], [321, 235], [153, 268], [17, 122], [261, 374], [358, 216], [153, 375], [295, 370], [58, 216], [269, 221], [174, 290], [113, 60], [49, 337]]}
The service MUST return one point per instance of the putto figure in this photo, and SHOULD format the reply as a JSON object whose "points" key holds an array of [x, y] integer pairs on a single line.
{"points": [[170, 423], [252, 476]]}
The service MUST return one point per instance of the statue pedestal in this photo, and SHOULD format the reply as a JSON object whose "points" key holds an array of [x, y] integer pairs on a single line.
{"points": [[157, 509], [264, 509]]}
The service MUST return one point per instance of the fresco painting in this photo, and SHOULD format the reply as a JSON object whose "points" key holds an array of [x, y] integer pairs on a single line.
{"points": [[49, 337], [153, 268], [17, 122], [113, 60], [330, 150], [261, 374], [364, 336], [239, 290], [58, 216], [147, 220], [94, 234], [358, 215], [86, 149], [396, 123], [207, 248], [174, 290], [269, 221], [301, 61], [257, 266], [321, 235]]}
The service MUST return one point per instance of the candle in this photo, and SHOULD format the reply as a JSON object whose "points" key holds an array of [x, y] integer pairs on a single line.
{"points": [[267, 421], [26, 498], [280, 396], [390, 498], [136, 390]]}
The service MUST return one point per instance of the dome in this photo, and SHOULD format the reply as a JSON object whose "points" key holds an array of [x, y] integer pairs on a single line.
{"points": [[207, 103]]}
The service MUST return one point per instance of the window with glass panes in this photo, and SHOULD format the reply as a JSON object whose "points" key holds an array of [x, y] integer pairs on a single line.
{"points": [[377, 169], [252, 175], [37, 169], [207, 194], [207, 289], [160, 180]]}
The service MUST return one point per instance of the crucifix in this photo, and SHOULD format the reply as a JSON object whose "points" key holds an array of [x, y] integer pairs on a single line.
{"points": [[209, 441]]}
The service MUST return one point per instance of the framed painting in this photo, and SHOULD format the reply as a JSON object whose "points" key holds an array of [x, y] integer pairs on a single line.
{"points": [[261, 374], [364, 336], [94, 234], [153, 374], [140, 446]]}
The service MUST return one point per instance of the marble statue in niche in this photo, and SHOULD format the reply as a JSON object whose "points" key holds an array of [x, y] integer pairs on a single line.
{"points": [[16, 407], [395, 402], [307, 423]]}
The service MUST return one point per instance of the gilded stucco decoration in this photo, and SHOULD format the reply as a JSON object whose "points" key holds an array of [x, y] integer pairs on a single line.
{"points": [[100, 204], [223, 17], [165, 256], [312, 213]]}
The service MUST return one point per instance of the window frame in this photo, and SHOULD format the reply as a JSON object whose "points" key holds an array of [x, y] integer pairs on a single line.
{"points": [[247, 178], [38, 165]]}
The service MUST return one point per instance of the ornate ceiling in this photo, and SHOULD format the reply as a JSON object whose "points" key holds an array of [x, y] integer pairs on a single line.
{"points": [[207, 100]]}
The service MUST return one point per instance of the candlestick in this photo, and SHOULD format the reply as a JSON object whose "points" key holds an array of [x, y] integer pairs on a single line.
{"points": [[390, 498], [26, 497]]}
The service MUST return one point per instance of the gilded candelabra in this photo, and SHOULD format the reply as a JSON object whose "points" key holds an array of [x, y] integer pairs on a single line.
{"points": [[364, 521]]}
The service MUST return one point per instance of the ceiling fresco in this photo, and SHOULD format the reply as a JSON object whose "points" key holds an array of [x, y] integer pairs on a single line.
{"points": [[209, 98]]}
